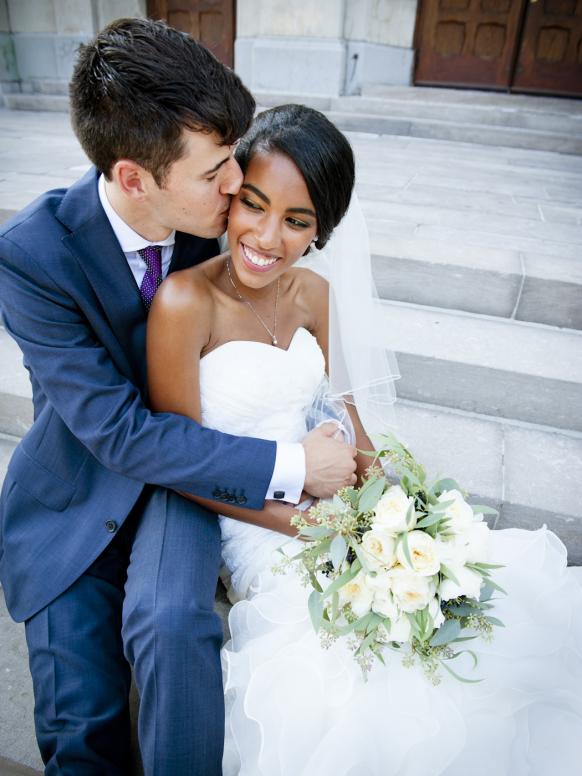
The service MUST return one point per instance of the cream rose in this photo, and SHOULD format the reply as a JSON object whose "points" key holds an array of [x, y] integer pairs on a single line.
{"points": [[477, 541], [459, 512], [399, 629], [423, 554], [358, 593], [383, 602], [378, 549], [411, 591], [452, 550], [391, 509], [434, 609], [469, 584]]}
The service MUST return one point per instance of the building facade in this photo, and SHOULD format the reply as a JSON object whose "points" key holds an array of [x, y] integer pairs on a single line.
{"points": [[320, 48]]}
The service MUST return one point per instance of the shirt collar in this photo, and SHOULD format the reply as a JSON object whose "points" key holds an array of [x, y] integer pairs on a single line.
{"points": [[128, 239]]}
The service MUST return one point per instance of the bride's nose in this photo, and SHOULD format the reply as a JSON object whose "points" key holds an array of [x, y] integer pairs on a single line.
{"points": [[267, 233]]}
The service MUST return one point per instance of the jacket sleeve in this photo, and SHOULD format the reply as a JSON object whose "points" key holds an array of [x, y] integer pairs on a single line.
{"points": [[104, 410]]}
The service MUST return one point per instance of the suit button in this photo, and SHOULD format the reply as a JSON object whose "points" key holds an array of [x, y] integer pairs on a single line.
{"points": [[242, 499], [111, 526], [217, 493]]}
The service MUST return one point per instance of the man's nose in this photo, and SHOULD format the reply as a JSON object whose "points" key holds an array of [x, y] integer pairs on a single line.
{"points": [[232, 177]]}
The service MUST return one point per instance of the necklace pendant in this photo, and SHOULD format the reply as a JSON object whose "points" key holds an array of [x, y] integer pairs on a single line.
{"points": [[275, 341]]}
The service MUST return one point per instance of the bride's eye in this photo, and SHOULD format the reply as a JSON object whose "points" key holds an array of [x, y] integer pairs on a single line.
{"points": [[297, 223], [250, 204]]}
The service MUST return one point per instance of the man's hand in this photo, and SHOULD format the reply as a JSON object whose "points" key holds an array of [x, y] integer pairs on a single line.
{"points": [[329, 463]]}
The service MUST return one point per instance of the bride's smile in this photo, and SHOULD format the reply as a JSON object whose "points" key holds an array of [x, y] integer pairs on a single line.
{"points": [[272, 220]]}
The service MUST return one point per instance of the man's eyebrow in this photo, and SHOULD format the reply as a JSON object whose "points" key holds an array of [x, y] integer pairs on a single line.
{"points": [[306, 211], [216, 166]]}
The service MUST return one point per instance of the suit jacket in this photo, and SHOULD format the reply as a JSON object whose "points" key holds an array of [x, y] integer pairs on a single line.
{"points": [[70, 301]]}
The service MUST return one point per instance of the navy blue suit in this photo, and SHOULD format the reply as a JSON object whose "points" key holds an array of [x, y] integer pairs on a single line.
{"points": [[94, 456]]}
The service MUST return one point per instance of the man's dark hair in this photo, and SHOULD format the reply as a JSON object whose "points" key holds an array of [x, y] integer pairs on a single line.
{"points": [[139, 84], [320, 151]]}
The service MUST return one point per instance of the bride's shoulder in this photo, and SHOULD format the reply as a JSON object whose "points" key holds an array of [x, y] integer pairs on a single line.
{"points": [[189, 291], [309, 281]]}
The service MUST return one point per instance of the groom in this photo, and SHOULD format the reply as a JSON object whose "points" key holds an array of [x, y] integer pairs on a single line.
{"points": [[103, 560]]}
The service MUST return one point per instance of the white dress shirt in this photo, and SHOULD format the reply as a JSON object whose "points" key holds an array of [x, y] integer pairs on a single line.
{"points": [[289, 472]]}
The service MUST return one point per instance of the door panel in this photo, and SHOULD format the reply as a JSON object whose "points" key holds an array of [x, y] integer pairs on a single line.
{"points": [[550, 57], [209, 21], [467, 42]]}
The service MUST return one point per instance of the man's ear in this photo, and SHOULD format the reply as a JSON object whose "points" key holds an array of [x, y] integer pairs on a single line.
{"points": [[130, 178]]}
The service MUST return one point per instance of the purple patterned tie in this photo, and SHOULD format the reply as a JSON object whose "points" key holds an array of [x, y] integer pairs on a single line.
{"points": [[152, 255]]}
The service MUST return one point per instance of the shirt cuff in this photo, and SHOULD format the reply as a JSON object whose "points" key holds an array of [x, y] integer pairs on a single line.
{"points": [[289, 473]]}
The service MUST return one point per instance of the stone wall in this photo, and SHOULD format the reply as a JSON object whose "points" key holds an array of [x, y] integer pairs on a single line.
{"points": [[39, 39], [324, 47]]}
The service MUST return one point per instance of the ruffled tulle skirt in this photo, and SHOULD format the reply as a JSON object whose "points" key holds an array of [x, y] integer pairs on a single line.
{"points": [[295, 709]]}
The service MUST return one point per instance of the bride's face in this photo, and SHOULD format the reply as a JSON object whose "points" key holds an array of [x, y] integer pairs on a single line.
{"points": [[271, 221]]}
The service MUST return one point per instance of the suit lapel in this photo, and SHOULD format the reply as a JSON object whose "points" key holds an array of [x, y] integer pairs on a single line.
{"points": [[94, 245]]}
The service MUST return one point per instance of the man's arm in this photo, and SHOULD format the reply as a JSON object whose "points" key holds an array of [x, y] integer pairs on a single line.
{"points": [[104, 410]]}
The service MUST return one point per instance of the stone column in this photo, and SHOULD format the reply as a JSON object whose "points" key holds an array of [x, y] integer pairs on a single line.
{"points": [[45, 36], [323, 48]]}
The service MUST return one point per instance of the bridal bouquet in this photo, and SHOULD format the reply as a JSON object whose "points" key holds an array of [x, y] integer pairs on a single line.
{"points": [[400, 566]]}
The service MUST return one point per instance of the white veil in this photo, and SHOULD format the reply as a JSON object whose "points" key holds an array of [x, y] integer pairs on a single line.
{"points": [[361, 371]]}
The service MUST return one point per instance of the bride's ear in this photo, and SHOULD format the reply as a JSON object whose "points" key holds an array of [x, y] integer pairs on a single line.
{"points": [[311, 245]]}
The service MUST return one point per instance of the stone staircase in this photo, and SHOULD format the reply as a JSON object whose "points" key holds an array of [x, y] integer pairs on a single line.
{"points": [[459, 115], [477, 253]]}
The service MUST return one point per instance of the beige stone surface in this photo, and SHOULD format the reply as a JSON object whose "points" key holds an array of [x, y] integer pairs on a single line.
{"points": [[308, 18], [390, 22], [32, 15]]}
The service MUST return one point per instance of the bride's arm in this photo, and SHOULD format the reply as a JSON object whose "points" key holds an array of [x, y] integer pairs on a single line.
{"points": [[317, 302], [179, 327]]}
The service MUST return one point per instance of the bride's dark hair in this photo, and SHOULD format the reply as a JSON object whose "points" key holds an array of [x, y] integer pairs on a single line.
{"points": [[320, 151]]}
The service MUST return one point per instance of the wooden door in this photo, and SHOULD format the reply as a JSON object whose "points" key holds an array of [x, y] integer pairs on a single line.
{"points": [[467, 42], [209, 21], [550, 57]]}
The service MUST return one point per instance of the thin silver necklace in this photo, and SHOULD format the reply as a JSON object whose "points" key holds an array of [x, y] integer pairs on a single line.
{"points": [[272, 334]]}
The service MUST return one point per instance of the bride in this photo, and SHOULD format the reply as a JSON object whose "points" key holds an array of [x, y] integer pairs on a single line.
{"points": [[241, 343]]}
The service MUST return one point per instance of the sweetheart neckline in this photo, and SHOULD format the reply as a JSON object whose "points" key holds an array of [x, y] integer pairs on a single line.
{"points": [[263, 344]]}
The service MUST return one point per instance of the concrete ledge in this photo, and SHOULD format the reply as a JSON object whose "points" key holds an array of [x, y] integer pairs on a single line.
{"points": [[487, 365]]}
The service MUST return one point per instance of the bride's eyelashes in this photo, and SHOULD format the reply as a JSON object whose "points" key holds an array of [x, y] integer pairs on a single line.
{"points": [[295, 222]]}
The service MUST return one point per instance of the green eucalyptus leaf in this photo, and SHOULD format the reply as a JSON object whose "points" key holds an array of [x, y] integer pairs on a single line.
{"points": [[403, 539], [338, 550], [429, 520], [370, 497], [343, 579], [458, 676], [315, 604], [316, 531], [449, 574], [463, 610], [482, 509], [495, 621], [449, 631]]}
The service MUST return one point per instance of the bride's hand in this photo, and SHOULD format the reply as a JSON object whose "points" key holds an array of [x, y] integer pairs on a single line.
{"points": [[329, 463]]}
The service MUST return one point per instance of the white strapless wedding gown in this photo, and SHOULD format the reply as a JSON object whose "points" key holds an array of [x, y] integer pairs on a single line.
{"points": [[295, 709]]}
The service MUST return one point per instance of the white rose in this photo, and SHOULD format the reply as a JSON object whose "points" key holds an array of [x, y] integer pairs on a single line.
{"points": [[391, 509], [411, 591], [469, 584], [459, 512], [378, 549], [477, 542], [423, 554], [452, 550], [400, 629], [358, 593], [383, 602], [434, 609]]}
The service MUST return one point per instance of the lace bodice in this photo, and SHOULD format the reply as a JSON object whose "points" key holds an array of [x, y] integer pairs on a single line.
{"points": [[253, 389]]}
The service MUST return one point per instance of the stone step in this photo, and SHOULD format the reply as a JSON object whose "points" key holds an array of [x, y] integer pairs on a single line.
{"points": [[561, 118], [507, 369], [463, 132], [458, 274], [56, 103], [530, 473]]}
